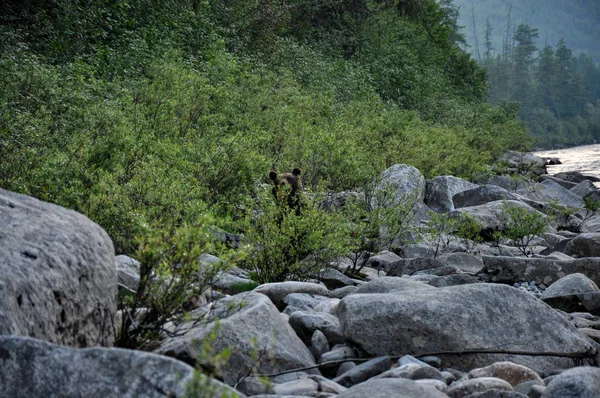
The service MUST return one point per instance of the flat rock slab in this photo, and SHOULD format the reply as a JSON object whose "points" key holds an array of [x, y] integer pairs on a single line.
{"points": [[248, 322], [540, 270], [461, 318], [481, 195], [33, 368], [58, 280], [389, 284]]}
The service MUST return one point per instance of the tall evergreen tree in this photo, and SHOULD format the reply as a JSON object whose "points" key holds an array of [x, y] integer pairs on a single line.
{"points": [[545, 76], [524, 50]]}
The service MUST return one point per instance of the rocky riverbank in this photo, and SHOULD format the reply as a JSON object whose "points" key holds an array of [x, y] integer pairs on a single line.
{"points": [[461, 319]]}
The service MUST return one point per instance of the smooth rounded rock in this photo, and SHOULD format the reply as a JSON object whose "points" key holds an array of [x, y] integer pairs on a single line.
{"points": [[278, 290], [511, 372], [392, 388], [461, 318], [582, 382], [306, 322], [58, 281], [319, 344], [247, 322], [364, 371], [390, 284], [466, 388], [296, 387], [584, 245]]}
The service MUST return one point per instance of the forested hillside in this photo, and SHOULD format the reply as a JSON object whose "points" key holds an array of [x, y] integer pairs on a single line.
{"points": [[575, 21], [146, 114], [553, 79]]}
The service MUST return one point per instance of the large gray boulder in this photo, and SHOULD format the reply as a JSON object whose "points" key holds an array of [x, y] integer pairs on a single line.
{"points": [[405, 179], [481, 195], [305, 323], [247, 322], [492, 215], [584, 188], [57, 274], [440, 190], [459, 319], [464, 261], [391, 388], [548, 191], [583, 382], [573, 293], [524, 163], [33, 368], [584, 245], [539, 270], [570, 284]]}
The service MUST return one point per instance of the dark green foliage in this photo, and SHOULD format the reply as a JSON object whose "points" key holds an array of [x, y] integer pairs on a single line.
{"points": [[139, 113], [171, 276]]}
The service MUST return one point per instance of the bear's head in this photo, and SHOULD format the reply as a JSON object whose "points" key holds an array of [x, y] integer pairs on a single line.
{"points": [[289, 183]]}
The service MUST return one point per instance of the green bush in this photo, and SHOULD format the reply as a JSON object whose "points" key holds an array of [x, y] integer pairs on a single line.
{"points": [[171, 276], [284, 244], [521, 225]]}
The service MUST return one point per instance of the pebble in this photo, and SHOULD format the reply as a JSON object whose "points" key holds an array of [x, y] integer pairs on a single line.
{"points": [[531, 287]]}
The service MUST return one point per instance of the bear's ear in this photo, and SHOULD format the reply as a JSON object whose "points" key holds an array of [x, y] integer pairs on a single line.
{"points": [[273, 175], [296, 171]]}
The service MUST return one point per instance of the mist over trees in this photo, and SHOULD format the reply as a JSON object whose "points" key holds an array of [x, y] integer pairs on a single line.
{"points": [[555, 87]]}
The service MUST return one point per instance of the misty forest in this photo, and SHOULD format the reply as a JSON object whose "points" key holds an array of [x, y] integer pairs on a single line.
{"points": [[542, 55]]}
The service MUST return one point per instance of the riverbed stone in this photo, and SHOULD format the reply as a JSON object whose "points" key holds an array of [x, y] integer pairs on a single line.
{"points": [[413, 371], [416, 250], [392, 388], [296, 387], [464, 261], [364, 371], [481, 195], [584, 188], [318, 344], [440, 190], [278, 290], [128, 272], [513, 373], [301, 302], [247, 322], [539, 270], [584, 245], [412, 265], [33, 368], [491, 215], [58, 280], [454, 280], [472, 386], [460, 318], [582, 382], [305, 323], [407, 180], [389, 284], [382, 260]]}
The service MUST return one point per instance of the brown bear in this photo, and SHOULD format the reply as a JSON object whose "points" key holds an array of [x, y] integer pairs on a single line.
{"points": [[289, 183]]}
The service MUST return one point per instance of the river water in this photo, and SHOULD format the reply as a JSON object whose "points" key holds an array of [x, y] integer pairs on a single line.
{"points": [[584, 159]]}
